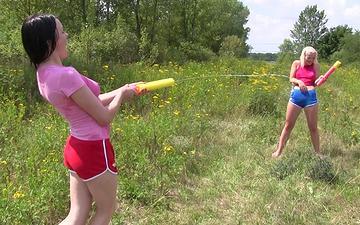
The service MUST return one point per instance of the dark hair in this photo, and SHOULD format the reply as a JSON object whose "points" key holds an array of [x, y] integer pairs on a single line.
{"points": [[38, 34]]}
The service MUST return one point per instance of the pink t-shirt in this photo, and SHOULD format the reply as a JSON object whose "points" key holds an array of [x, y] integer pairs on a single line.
{"points": [[56, 84], [306, 74]]}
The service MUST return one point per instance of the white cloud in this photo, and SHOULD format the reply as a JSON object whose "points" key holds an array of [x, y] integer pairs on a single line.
{"points": [[271, 21], [353, 12], [266, 31]]}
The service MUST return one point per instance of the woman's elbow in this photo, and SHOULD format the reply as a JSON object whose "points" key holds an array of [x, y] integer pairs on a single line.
{"points": [[103, 121]]}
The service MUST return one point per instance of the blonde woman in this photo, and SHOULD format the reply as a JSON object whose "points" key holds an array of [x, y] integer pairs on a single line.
{"points": [[303, 74]]}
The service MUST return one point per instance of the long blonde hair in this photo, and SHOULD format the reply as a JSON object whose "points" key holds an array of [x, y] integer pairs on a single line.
{"points": [[308, 49]]}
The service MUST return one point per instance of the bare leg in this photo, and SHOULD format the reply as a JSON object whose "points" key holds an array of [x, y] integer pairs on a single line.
{"points": [[292, 114], [311, 117], [80, 199], [103, 190]]}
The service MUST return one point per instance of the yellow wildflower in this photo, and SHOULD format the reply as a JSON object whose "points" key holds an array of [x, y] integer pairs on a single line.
{"points": [[18, 194], [168, 148]]}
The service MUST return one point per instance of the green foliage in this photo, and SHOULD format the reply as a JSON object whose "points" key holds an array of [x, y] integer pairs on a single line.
{"points": [[306, 164], [309, 28], [262, 103], [11, 48], [231, 16], [73, 14], [287, 52], [148, 51], [233, 46], [174, 54], [272, 57], [264, 97], [196, 52], [284, 168], [350, 51], [126, 31], [97, 44], [168, 142], [323, 170], [332, 41]]}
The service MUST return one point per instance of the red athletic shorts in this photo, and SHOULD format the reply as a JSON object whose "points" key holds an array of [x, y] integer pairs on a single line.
{"points": [[89, 159]]}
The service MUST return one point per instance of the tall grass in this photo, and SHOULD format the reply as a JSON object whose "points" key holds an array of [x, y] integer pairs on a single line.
{"points": [[208, 131]]}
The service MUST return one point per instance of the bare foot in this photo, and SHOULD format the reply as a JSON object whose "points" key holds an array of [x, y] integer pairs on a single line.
{"points": [[117, 206], [276, 154], [321, 156]]}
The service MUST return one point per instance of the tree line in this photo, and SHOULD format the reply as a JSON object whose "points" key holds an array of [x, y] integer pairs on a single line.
{"points": [[157, 31], [340, 42], [132, 30]]}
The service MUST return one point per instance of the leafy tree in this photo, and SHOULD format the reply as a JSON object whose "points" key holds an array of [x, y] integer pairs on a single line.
{"points": [[160, 27], [219, 19], [73, 14], [233, 46], [287, 51], [264, 56], [309, 28], [11, 49], [332, 41], [350, 50]]}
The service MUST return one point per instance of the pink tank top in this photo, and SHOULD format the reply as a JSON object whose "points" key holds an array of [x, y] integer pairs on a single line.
{"points": [[306, 74]]}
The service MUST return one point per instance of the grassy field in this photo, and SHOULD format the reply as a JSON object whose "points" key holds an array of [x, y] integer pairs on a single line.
{"points": [[197, 153]]}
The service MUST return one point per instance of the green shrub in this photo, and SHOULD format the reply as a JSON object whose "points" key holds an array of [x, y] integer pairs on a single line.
{"points": [[99, 45], [262, 103], [284, 168], [173, 54], [196, 52], [322, 169], [11, 49], [233, 46]]}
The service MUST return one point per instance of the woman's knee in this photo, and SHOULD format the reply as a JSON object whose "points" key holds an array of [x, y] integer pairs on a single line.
{"points": [[289, 125], [108, 206], [79, 214], [313, 129], [103, 191], [75, 218]]}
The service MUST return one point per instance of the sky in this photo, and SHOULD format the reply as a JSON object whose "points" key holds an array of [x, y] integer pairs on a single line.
{"points": [[270, 21]]}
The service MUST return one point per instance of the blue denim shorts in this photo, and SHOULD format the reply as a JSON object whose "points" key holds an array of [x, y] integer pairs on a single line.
{"points": [[303, 99]]}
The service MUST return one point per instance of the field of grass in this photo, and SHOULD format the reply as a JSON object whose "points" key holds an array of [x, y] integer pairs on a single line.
{"points": [[196, 153]]}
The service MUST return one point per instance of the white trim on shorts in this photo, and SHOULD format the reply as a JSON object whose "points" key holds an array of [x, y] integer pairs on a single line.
{"points": [[106, 163]]}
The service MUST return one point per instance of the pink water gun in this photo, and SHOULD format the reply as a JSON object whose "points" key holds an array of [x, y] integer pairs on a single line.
{"points": [[323, 78]]}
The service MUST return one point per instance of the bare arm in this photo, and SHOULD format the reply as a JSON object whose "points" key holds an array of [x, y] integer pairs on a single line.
{"points": [[107, 97], [294, 67], [292, 78], [94, 106], [317, 70]]}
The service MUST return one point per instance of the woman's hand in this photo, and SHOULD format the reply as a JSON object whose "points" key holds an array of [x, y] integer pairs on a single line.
{"points": [[138, 91], [302, 86], [127, 92]]}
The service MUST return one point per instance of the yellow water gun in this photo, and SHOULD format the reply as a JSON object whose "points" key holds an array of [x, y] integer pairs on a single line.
{"points": [[153, 85]]}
